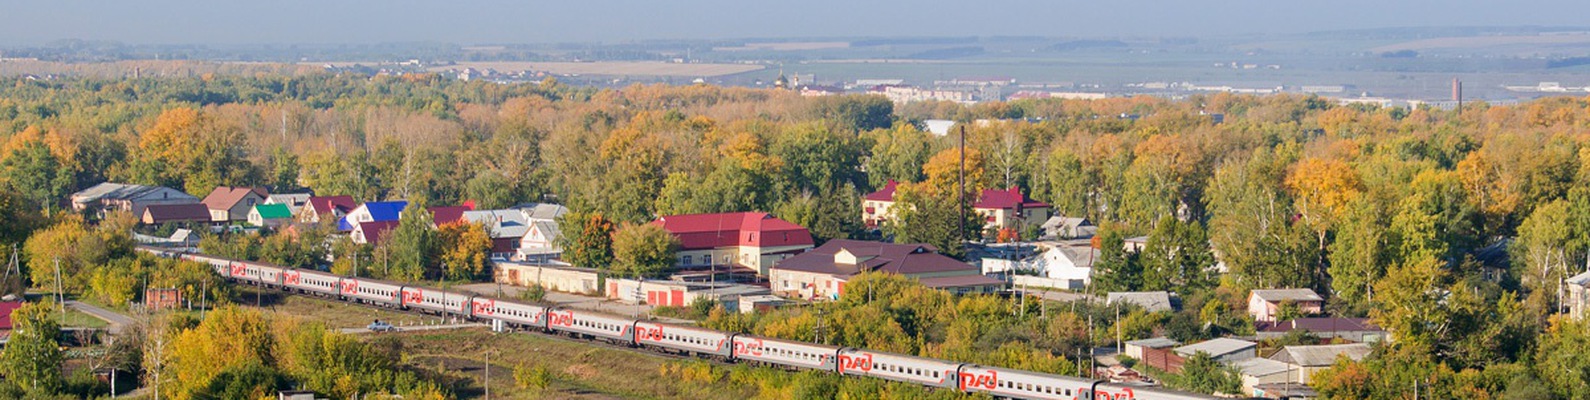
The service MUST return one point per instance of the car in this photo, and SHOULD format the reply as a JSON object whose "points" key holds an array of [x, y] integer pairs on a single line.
{"points": [[379, 326]]}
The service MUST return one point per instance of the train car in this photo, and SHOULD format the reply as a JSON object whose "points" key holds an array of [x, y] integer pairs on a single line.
{"points": [[924, 371], [620, 330], [221, 266], [372, 291], [256, 273], [516, 314], [684, 338], [312, 282], [436, 300], [1016, 384], [1116, 391], [785, 353]]}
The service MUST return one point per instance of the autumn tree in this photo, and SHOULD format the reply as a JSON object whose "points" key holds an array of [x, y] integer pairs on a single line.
{"points": [[923, 215], [898, 153], [466, 250], [36, 174], [643, 250], [943, 173], [31, 361], [587, 239]]}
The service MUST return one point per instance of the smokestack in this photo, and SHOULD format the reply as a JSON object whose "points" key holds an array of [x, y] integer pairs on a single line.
{"points": [[1457, 93]]}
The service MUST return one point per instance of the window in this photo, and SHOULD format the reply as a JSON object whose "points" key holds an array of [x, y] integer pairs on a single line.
{"points": [[687, 260], [707, 259]]}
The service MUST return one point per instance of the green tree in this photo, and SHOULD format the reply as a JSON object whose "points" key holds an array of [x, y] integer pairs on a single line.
{"points": [[284, 171], [1541, 257], [1201, 373], [1358, 256], [817, 159], [587, 239], [36, 174], [1177, 257], [643, 250], [898, 153], [412, 246], [924, 216], [32, 359], [835, 215], [1117, 270], [1070, 184], [490, 191], [855, 112]]}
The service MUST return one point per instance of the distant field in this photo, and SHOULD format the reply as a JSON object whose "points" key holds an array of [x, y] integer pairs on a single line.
{"points": [[786, 46], [1472, 42], [617, 68]]}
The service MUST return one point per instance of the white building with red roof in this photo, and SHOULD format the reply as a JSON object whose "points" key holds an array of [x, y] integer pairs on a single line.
{"points": [[823, 272], [754, 240], [1000, 208]]}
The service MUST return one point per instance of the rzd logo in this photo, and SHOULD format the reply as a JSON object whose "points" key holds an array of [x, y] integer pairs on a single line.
{"points": [[486, 307], [652, 334], [1126, 393], [988, 381], [413, 296], [238, 269], [291, 277], [565, 318], [861, 363], [753, 347]]}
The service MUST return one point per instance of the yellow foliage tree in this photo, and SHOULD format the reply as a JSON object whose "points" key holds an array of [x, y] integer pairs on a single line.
{"points": [[943, 172]]}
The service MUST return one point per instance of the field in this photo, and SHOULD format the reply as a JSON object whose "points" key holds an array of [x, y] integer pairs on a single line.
{"points": [[616, 68], [334, 314]]}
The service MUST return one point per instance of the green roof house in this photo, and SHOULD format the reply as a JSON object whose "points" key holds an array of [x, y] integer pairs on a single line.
{"points": [[270, 215]]}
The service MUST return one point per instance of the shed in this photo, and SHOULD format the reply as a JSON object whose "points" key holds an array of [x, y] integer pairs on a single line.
{"points": [[1310, 359], [1225, 350], [1135, 348]]}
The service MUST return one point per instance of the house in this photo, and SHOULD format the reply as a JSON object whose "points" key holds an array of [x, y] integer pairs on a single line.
{"points": [[823, 271], [1307, 360], [1063, 227], [1135, 348], [1135, 244], [6, 308], [371, 232], [1260, 371], [270, 215], [1062, 265], [540, 242], [331, 206], [1354, 329], [506, 227], [1224, 350], [1578, 295], [541, 211], [105, 197], [1265, 304], [443, 215], [1150, 301], [372, 211], [753, 240], [293, 201], [157, 214], [999, 208], [230, 204]]}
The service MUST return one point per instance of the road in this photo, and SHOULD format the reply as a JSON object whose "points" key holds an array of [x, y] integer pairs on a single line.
{"points": [[116, 321]]}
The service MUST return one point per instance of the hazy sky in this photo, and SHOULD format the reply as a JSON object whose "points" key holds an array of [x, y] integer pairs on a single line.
{"points": [[495, 21]]}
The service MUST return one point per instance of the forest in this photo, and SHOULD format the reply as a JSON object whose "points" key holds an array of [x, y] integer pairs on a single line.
{"points": [[1453, 229]]}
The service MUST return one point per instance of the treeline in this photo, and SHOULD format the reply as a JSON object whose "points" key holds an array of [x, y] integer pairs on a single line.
{"points": [[1452, 228]]}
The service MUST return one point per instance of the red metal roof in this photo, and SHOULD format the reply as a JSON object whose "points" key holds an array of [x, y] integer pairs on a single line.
{"points": [[373, 231], [327, 204], [6, 308], [163, 213], [886, 194], [1006, 199], [755, 229], [447, 214], [903, 259]]}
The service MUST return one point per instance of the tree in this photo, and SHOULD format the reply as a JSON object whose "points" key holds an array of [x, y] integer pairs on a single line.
{"points": [[835, 215], [1359, 255], [36, 174], [466, 250], [944, 176], [643, 250], [1070, 184], [77, 248], [1177, 257], [1201, 373], [1117, 270], [855, 112], [490, 190], [1541, 254], [925, 216], [817, 159], [1411, 305], [412, 246], [227, 341], [32, 359], [587, 239], [898, 153]]}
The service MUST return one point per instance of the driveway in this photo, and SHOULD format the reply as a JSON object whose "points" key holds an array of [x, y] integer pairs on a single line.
{"points": [[114, 320]]}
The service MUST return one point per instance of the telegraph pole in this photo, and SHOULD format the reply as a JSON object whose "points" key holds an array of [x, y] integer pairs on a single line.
{"points": [[960, 195]]}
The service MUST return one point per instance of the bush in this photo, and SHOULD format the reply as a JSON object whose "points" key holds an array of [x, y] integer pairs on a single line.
{"points": [[536, 377], [534, 293], [1126, 360]]}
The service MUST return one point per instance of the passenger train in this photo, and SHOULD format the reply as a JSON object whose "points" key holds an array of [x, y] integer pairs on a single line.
{"points": [[679, 339]]}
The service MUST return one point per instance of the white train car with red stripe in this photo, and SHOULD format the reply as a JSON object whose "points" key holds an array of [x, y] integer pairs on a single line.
{"points": [[678, 337], [591, 324], [312, 282], [518, 315], [786, 353], [895, 367], [436, 300], [365, 290]]}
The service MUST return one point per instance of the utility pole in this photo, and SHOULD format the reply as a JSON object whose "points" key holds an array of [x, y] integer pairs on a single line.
{"points": [[488, 374], [960, 194], [59, 294]]}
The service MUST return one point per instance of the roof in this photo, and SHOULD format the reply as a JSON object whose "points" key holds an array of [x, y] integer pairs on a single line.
{"points": [[329, 204], [1280, 295], [385, 210], [1217, 347], [859, 256], [120, 191], [1154, 343], [6, 308], [1151, 301], [226, 197], [1326, 324], [444, 215], [756, 229], [273, 211], [1323, 355], [1260, 367], [960, 281], [1581, 279], [885, 194], [501, 223], [373, 231], [1007, 199], [543, 211], [162, 213]]}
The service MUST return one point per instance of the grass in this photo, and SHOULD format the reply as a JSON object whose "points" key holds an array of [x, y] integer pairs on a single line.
{"points": [[79, 319], [334, 314], [579, 370]]}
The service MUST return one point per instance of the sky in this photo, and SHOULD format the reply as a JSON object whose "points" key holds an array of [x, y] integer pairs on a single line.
{"points": [[35, 22]]}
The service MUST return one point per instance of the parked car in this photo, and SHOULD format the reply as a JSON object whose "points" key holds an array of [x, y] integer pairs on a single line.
{"points": [[379, 326]]}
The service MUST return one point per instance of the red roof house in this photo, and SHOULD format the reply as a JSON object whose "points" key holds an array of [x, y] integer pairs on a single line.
{"points": [[372, 232], [1001, 208], [335, 206], [755, 240], [823, 271]]}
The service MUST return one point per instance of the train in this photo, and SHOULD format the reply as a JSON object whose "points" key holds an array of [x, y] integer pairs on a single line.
{"points": [[674, 338]]}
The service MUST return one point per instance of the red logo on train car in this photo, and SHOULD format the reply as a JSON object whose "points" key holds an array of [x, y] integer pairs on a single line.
{"points": [[861, 363], [985, 381], [565, 318], [292, 277], [652, 334], [238, 269], [349, 286], [412, 295], [753, 347], [485, 306], [1125, 394]]}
